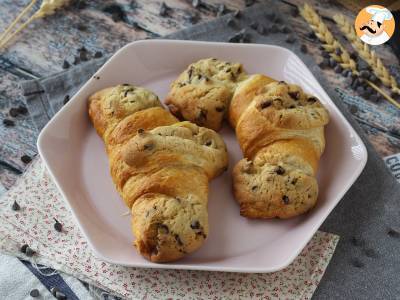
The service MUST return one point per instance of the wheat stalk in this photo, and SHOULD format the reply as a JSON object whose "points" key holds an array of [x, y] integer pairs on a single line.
{"points": [[330, 44], [366, 53], [47, 7]]}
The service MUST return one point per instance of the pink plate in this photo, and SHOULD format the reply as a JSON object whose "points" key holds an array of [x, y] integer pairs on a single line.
{"points": [[75, 157]]}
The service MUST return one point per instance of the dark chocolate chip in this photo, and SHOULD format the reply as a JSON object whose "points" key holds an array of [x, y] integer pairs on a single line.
{"points": [[22, 110], [98, 54], [66, 64], [393, 233], [265, 104], [195, 225], [220, 108], [254, 25], [148, 147], [13, 112], [83, 55], [312, 99], [303, 48], [57, 225], [163, 10], [338, 51], [66, 99], [15, 206], [253, 188], [279, 170], [8, 123], [294, 181], [116, 12], [26, 159], [294, 95], [208, 143], [311, 35], [353, 55], [34, 293], [285, 199], [163, 228], [23, 248], [29, 252], [292, 106], [357, 263], [178, 240], [140, 131]]}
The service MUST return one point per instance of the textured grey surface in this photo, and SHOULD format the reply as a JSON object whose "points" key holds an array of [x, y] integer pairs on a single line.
{"points": [[366, 264]]}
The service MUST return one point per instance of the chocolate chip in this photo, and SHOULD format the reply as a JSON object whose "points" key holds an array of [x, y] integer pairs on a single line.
{"points": [[294, 181], [140, 131], [29, 252], [15, 206], [54, 290], [220, 108], [279, 170], [201, 116], [294, 95], [57, 225], [26, 159], [34, 293], [338, 69], [60, 296], [303, 48], [208, 143], [8, 123], [353, 55], [253, 188], [357, 263], [178, 240], [163, 10], [66, 64], [292, 106], [290, 39], [312, 99], [163, 228], [254, 25], [265, 104], [23, 248], [116, 12], [13, 112], [195, 225], [77, 60], [338, 51], [98, 54], [66, 99], [83, 56], [22, 110], [285, 199], [393, 233], [311, 35], [148, 147]]}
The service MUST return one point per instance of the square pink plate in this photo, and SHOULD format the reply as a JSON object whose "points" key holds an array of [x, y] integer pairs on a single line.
{"points": [[76, 159]]}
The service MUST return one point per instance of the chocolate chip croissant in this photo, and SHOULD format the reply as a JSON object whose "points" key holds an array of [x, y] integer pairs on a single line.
{"points": [[161, 168], [279, 127]]}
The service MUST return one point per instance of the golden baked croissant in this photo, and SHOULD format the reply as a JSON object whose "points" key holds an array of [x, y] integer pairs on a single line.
{"points": [[280, 130], [161, 168]]}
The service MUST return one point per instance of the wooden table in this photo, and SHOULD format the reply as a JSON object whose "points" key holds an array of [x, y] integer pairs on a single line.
{"points": [[108, 25]]}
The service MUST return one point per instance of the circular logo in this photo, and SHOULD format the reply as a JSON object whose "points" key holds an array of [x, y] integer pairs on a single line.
{"points": [[374, 25]]}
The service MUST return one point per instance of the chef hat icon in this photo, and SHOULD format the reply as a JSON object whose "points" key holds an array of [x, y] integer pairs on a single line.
{"points": [[379, 14]]}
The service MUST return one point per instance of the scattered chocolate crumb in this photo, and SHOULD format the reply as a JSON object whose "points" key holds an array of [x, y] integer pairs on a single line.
{"points": [[23, 248], [324, 63], [279, 170], [303, 48], [326, 54], [15, 206], [8, 123], [312, 99], [365, 74], [195, 225], [57, 225], [34, 293], [357, 263], [26, 159], [66, 99], [66, 64], [285, 199], [163, 10], [29, 252], [393, 233]]}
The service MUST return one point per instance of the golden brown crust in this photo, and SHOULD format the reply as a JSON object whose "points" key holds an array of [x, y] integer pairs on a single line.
{"points": [[161, 168]]}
